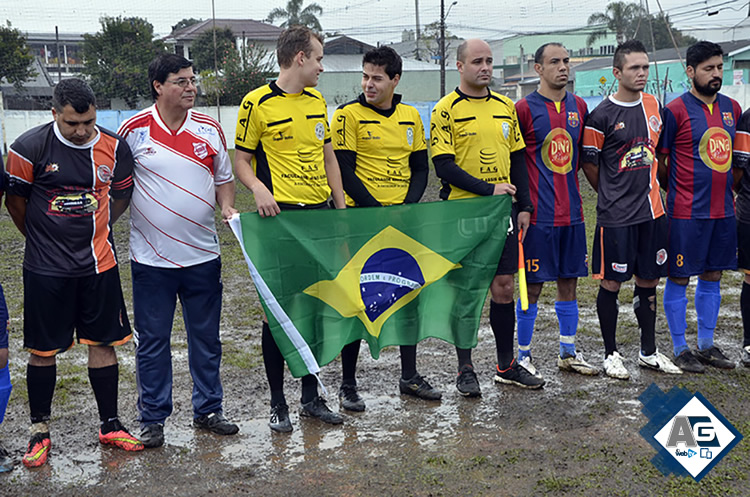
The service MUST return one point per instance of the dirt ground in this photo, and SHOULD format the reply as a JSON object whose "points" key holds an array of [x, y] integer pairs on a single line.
{"points": [[577, 436]]}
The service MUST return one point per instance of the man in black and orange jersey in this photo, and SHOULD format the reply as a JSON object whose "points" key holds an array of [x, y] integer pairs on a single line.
{"points": [[68, 181], [380, 146], [477, 149], [619, 147], [283, 154]]}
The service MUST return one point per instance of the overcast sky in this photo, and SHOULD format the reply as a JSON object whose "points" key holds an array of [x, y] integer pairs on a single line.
{"points": [[369, 20]]}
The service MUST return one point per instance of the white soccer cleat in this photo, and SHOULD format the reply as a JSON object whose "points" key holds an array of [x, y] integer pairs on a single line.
{"points": [[576, 364], [614, 367], [529, 366], [658, 362]]}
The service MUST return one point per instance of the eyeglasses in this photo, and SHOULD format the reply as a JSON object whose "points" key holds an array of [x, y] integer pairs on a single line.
{"points": [[183, 82]]}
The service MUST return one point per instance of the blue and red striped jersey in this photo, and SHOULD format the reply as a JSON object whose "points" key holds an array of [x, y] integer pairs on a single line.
{"points": [[553, 138], [698, 140]]}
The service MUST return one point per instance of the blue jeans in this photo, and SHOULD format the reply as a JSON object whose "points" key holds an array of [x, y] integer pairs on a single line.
{"points": [[155, 292]]}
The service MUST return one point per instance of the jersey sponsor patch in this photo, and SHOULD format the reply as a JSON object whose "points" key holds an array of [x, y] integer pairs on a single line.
{"points": [[661, 257], [410, 136], [638, 157], [506, 130], [557, 151], [51, 168], [77, 204], [715, 149], [619, 267]]}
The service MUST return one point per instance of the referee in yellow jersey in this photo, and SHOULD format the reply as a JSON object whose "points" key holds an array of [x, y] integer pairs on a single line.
{"points": [[380, 146], [284, 156]]}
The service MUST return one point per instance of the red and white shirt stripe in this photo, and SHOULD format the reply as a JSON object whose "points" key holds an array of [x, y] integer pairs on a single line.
{"points": [[176, 174]]}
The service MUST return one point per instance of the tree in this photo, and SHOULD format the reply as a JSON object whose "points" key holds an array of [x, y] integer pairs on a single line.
{"points": [[185, 23], [116, 59], [15, 57], [244, 70], [431, 40], [619, 17], [661, 33], [202, 49], [295, 14]]}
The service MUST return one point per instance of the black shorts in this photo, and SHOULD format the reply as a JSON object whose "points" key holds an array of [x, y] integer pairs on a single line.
{"points": [[640, 249], [743, 246], [509, 258], [55, 306]]}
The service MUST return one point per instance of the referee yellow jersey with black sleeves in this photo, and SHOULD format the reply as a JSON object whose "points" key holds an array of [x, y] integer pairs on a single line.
{"points": [[383, 141], [286, 133], [479, 133]]}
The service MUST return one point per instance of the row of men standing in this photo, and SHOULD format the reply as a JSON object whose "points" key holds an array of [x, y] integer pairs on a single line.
{"points": [[174, 161]]}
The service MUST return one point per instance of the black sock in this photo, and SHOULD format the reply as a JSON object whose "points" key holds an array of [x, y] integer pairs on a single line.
{"points": [[40, 384], [644, 306], [349, 356], [104, 383], [606, 308], [503, 323], [309, 388], [274, 364], [409, 361], [464, 357], [745, 311]]}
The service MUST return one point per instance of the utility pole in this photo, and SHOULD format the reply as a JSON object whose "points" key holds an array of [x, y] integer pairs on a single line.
{"points": [[216, 64], [442, 48], [59, 59], [416, 10]]}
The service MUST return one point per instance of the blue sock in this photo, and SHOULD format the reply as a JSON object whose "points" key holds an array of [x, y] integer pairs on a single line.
{"points": [[567, 317], [525, 320], [675, 307], [707, 302]]}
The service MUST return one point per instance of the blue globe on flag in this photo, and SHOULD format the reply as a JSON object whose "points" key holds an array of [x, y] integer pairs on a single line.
{"points": [[386, 276]]}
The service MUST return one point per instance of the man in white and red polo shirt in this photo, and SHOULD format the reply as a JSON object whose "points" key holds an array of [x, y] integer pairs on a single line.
{"points": [[182, 170]]}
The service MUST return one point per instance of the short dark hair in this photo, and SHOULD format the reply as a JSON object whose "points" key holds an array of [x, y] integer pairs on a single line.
{"points": [[539, 54], [293, 41], [74, 92], [701, 52], [386, 57], [626, 48], [162, 66], [460, 50]]}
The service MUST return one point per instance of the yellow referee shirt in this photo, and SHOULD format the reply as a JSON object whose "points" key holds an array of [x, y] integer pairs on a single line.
{"points": [[383, 141], [480, 133], [286, 133]]}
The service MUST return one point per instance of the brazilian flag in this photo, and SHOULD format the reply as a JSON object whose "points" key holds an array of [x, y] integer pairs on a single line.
{"points": [[389, 275]]}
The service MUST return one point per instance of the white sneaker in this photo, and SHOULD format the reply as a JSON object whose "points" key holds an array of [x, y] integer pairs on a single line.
{"points": [[576, 364], [528, 366], [659, 362], [614, 367]]}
